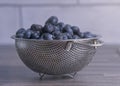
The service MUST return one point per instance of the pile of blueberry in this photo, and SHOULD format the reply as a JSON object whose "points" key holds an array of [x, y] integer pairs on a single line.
{"points": [[53, 30]]}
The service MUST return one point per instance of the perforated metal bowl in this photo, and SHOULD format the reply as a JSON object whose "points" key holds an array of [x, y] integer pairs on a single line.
{"points": [[57, 56]]}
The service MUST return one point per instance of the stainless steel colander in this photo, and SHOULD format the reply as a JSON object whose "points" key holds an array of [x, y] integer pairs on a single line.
{"points": [[56, 57]]}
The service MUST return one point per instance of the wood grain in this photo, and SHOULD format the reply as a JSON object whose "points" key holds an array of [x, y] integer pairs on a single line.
{"points": [[104, 70]]}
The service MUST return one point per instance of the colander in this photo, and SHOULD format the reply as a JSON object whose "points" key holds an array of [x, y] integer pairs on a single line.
{"points": [[56, 57]]}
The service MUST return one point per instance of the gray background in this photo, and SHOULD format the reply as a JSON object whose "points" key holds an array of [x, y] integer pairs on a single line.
{"points": [[98, 16]]}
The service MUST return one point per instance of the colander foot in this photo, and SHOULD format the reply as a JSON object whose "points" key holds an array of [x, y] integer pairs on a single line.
{"points": [[41, 75], [73, 74]]}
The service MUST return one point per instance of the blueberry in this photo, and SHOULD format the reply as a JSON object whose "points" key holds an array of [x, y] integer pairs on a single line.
{"points": [[48, 28], [35, 35], [68, 29], [75, 29], [20, 33], [94, 35], [76, 37], [21, 30], [28, 34], [87, 32], [55, 33], [53, 30], [88, 35], [65, 37], [68, 35], [61, 26], [42, 37], [52, 20], [56, 28], [81, 34], [53, 36], [59, 37], [36, 27], [47, 36]]}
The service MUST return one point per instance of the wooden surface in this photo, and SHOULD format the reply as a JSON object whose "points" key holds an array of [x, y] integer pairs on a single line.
{"points": [[104, 70]]}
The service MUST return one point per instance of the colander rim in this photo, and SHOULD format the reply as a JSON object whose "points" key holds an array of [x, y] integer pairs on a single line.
{"points": [[83, 39]]}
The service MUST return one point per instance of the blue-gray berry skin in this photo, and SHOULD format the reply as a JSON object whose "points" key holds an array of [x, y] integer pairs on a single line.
{"points": [[59, 37], [28, 34], [81, 35], [61, 25], [53, 30], [35, 35], [94, 35], [47, 36], [20, 33], [36, 27], [56, 28], [76, 37], [69, 36], [65, 37], [48, 28], [55, 33], [52, 20], [68, 29], [89, 35], [21, 30], [75, 29]]}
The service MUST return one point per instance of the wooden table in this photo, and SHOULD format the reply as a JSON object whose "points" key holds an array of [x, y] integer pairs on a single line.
{"points": [[104, 70]]}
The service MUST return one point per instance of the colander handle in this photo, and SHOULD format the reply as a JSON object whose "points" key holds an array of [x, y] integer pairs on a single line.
{"points": [[69, 45], [96, 43]]}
